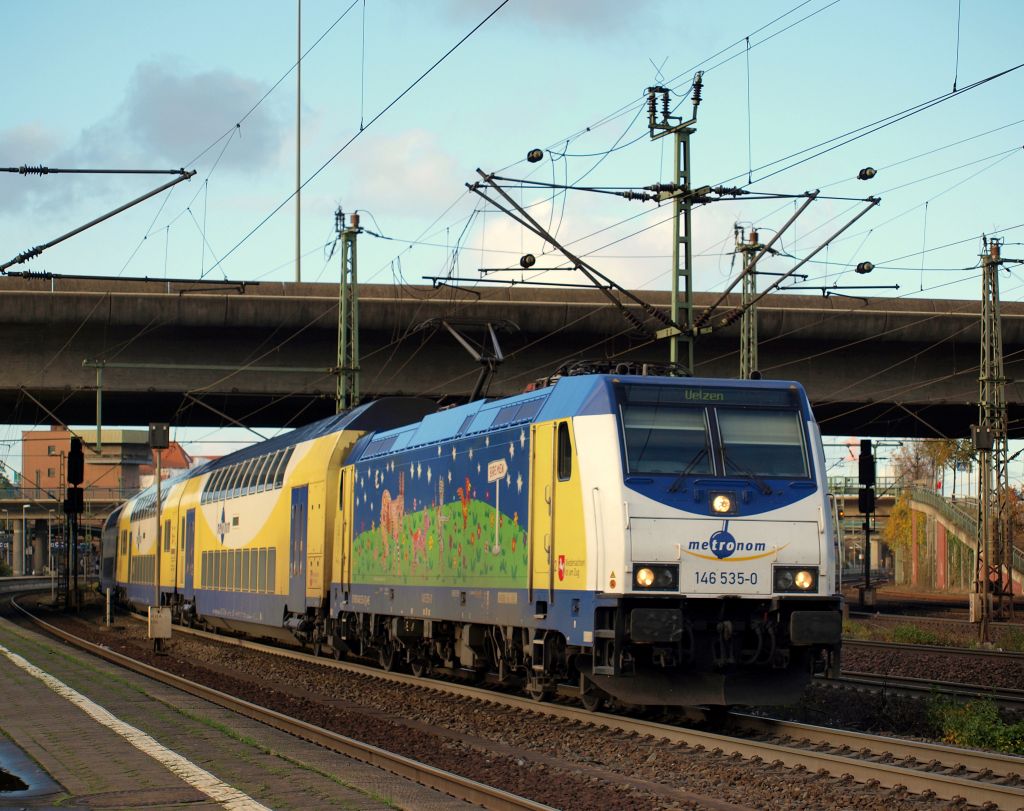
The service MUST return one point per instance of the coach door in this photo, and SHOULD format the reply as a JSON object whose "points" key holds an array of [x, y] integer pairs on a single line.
{"points": [[343, 528], [297, 550], [542, 511], [189, 536]]}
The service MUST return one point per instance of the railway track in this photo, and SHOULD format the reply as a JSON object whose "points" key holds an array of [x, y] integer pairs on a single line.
{"points": [[452, 784], [945, 772], [955, 681], [978, 653]]}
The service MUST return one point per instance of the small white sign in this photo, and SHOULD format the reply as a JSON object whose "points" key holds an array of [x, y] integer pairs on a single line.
{"points": [[159, 622], [496, 470]]}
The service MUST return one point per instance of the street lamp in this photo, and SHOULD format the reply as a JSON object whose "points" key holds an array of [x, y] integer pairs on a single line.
{"points": [[24, 539]]}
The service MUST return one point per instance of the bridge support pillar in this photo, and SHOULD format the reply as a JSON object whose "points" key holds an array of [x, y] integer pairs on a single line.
{"points": [[18, 549]]}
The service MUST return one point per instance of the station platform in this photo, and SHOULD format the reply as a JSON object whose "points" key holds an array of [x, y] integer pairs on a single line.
{"points": [[77, 732]]}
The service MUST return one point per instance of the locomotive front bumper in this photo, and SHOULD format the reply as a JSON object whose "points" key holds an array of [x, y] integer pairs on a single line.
{"points": [[815, 627], [690, 689]]}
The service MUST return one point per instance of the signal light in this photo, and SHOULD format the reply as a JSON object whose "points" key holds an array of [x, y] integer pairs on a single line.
{"points": [[842, 513], [864, 267], [76, 462], [866, 464], [535, 155], [866, 500], [74, 504], [866, 173]]}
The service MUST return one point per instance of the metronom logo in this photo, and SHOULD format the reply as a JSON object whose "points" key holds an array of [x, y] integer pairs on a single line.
{"points": [[723, 544]]}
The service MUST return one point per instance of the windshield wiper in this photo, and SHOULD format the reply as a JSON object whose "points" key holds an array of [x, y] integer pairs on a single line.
{"points": [[762, 485], [678, 480]]}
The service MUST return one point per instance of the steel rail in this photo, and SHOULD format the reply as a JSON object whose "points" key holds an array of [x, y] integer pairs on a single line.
{"points": [[1006, 697], [943, 649], [915, 779], [452, 784], [942, 756]]}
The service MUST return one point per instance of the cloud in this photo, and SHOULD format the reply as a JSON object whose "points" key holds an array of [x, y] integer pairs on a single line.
{"points": [[171, 117], [407, 173], [167, 117], [30, 145], [591, 17]]}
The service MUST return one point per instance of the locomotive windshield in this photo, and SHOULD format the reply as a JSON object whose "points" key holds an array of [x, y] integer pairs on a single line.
{"points": [[713, 432]]}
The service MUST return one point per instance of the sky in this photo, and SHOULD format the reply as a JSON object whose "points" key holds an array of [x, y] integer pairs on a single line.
{"points": [[211, 87]]}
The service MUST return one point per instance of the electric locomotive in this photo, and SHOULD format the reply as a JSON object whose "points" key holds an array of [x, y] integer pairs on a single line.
{"points": [[652, 540]]}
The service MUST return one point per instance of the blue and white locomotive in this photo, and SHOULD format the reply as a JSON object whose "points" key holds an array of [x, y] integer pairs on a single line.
{"points": [[652, 540]]}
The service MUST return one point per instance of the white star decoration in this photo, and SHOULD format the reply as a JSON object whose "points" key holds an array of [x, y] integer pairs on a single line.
{"points": [[519, 483], [453, 453], [438, 450], [522, 437], [419, 470], [470, 453], [477, 467], [449, 475], [508, 479], [487, 441], [512, 450], [428, 474]]}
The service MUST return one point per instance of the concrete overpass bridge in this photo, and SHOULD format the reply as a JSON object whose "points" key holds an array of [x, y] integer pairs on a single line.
{"points": [[205, 354]]}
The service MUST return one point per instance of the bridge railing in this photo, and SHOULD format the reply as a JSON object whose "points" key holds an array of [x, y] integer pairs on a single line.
{"points": [[35, 496], [952, 512], [961, 514], [849, 485]]}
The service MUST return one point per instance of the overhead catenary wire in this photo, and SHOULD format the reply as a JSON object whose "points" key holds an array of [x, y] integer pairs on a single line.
{"points": [[353, 138]]}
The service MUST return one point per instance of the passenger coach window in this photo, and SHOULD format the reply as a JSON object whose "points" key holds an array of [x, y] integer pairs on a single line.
{"points": [[765, 443], [666, 439], [564, 452]]}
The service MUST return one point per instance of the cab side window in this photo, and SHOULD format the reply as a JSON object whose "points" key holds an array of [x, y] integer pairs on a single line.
{"points": [[564, 452]]}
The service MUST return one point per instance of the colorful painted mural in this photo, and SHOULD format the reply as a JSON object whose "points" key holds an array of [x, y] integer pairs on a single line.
{"points": [[445, 514]]}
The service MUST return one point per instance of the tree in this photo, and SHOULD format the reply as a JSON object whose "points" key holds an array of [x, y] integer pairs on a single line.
{"points": [[924, 459], [896, 532], [912, 462]]}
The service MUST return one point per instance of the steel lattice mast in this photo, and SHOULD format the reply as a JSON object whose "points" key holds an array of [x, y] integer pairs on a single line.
{"points": [[348, 314], [662, 123], [991, 443], [748, 321]]}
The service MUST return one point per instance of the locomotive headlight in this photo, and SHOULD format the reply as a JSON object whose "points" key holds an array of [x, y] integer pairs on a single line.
{"points": [[721, 503], [795, 579], [656, 576], [803, 580], [645, 577]]}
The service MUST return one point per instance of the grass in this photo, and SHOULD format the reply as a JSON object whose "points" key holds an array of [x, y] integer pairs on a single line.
{"points": [[1007, 638], [975, 725]]}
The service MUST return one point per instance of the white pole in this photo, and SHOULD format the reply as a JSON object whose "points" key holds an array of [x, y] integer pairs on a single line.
{"points": [[298, 142]]}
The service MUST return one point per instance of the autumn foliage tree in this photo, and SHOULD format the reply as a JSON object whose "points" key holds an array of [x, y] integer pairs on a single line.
{"points": [[897, 530], [924, 459]]}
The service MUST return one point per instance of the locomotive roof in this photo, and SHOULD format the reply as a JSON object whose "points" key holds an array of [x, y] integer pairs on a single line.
{"points": [[570, 396], [376, 415]]}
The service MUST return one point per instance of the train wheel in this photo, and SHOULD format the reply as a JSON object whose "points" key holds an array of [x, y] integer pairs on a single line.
{"points": [[318, 647], [537, 689], [386, 657], [418, 668], [591, 697], [337, 652]]}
